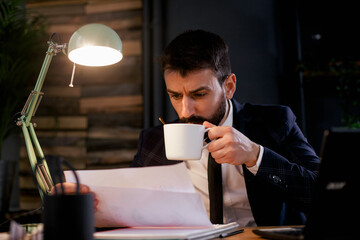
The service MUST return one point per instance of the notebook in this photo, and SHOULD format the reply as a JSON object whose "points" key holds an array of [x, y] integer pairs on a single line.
{"points": [[218, 230], [335, 205]]}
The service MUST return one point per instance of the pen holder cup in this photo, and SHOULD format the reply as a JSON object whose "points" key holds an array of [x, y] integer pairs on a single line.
{"points": [[68, 217]]}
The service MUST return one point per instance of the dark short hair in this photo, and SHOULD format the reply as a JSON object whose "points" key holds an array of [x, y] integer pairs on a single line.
{"points": [[195, 50]]}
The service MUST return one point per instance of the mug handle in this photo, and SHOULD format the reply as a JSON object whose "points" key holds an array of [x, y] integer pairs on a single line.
{"points": [[205, 146]]}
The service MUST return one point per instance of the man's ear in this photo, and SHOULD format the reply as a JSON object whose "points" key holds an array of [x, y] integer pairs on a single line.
{"points": [[230, 86]]}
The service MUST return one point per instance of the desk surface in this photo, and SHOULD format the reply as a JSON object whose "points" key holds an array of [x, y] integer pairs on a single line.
{"points": [[249, 235]]}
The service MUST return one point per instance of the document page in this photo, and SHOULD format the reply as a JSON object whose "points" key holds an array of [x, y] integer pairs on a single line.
{"points": [[148, 196]]}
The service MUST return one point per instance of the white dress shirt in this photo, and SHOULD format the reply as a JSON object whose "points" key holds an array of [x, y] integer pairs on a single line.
{"points": [[235, 199]]}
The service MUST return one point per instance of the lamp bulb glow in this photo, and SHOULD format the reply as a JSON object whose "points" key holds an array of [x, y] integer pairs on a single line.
{"points": [[95, 56], [95, 45]]}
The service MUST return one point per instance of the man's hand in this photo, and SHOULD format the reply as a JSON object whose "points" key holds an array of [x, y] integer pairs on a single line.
{"points": [[70, 188], [228, 145]]}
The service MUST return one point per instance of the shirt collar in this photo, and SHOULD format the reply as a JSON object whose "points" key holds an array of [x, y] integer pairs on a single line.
{"points": [[229, 118]]}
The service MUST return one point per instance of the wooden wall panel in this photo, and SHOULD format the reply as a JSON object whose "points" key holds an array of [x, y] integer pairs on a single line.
{"points": [[96, 123]]}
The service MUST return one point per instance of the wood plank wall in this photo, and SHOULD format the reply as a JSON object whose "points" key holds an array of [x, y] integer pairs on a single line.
{"points": [[96, 123]]}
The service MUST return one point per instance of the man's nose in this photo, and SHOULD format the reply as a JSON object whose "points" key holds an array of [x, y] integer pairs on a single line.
{"points": [[187, 107]]}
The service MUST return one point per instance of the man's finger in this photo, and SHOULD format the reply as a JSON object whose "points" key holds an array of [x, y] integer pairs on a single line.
{"points": [[208, 125]]}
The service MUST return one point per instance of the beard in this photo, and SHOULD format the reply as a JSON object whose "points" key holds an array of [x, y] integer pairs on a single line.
{"points": [[214, 119]]}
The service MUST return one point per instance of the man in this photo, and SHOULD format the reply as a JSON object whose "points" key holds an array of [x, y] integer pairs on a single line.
{"points": [[268, 167]]}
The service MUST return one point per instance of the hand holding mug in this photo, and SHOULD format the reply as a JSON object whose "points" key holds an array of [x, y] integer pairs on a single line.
{"points": [[230, 146]]}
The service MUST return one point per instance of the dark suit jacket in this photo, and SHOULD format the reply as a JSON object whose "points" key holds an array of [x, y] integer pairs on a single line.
{"points": [[280, 193]]}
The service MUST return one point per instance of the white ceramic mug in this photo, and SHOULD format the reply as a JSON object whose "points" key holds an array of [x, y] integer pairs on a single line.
{"points": [[184, 141]]}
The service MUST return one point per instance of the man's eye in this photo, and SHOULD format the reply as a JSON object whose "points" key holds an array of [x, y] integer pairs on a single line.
{"points": [[199, 95], [175, 96]]}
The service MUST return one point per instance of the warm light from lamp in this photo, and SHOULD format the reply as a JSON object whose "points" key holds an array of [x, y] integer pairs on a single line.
{"points": [[95, 45]]}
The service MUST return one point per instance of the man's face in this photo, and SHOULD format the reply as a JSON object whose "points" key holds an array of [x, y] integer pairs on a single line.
{"points": [[196, 97]]}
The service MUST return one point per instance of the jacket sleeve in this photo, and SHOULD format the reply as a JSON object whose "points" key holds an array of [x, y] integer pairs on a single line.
{"points": [[291, 168], [151, 149], [137, 161]]}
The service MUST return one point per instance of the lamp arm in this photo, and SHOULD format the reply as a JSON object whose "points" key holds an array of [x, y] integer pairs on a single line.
{"points": [[43, 178], [33, 101], [39, 167]]}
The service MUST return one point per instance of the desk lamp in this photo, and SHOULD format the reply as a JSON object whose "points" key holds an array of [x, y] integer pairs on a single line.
{"points": [[91, 45]]}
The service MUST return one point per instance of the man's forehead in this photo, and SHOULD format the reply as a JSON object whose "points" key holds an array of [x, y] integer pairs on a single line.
{"points": [[192, 81]]}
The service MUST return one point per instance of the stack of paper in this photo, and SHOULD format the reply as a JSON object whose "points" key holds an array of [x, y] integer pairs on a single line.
{"points": [[148, 196], [153, 202], [215, 231]]}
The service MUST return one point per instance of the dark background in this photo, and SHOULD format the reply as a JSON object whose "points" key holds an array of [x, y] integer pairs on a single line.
{"points": [[280, 52]]}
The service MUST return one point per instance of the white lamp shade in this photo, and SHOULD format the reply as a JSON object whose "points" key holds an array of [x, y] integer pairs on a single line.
{"points": [[95, 45]]}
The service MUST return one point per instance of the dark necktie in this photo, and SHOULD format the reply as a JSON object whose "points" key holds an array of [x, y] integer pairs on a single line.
{"points": [[215, 191]]}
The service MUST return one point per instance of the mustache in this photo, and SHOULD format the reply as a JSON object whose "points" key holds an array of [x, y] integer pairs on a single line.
{"points": [[193, 119]]}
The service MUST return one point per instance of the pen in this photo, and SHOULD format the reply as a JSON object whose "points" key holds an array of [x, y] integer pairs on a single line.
{"points": [[224, 235]]}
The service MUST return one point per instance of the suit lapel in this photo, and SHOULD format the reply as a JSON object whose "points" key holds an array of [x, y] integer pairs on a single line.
{"points": [[240, 118]]}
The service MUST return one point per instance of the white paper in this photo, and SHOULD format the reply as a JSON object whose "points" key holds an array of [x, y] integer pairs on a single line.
{"points": [[171, 178], [147, 196], [168, 233]]}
